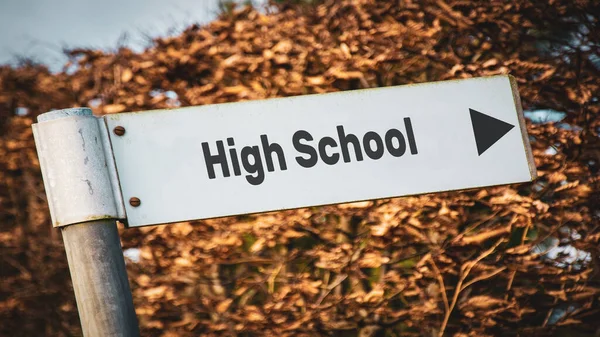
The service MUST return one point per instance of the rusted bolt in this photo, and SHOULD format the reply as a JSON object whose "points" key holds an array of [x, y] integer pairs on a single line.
{"points": [[135, 202], [119, 130]]}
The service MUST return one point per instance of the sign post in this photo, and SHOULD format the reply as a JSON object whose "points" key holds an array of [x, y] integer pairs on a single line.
{"points": [[219, 160], [80, 196], [100, 279]]}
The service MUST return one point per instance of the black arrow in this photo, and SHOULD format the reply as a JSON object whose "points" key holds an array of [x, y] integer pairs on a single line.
{"points": [[488, 130]]}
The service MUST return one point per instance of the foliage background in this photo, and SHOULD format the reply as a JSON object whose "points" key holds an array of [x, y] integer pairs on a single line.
{"points": [[474, 263]]}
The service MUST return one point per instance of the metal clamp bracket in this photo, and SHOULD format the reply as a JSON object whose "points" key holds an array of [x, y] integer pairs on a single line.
{"points": [[78, 167]]}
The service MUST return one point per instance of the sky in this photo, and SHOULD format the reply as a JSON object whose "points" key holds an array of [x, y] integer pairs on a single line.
{"points": [[39, 29]]}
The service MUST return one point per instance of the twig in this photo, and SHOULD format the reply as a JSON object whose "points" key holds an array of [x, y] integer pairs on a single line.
{"points": [[465, 269], [338, 280], [440, 279]]}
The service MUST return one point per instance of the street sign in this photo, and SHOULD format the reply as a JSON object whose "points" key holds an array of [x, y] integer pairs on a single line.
{"points": [[238, 158]]}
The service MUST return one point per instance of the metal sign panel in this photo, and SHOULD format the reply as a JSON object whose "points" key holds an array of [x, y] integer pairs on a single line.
{"points": [[238, 158]]}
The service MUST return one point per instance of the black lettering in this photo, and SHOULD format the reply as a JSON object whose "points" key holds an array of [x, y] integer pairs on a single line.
{"points": [[234, 158], [344, 140], [389, 136], [305, 149], [378, 151], [269, 149], [411, 136], [323, 143], [255, 166], [212, 160]]}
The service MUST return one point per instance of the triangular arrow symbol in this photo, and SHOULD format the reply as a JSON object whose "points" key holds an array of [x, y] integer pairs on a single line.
{"points": [[488, 130]]}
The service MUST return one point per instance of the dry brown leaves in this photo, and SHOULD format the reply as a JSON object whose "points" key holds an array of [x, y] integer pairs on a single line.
{"points": [[456, 264]]}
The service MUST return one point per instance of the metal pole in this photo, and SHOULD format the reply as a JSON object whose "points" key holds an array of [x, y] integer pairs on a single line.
{"points": [[100, 279], [84, 200]]}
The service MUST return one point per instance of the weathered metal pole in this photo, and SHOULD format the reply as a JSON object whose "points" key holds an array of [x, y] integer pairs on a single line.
{"points": [[100, 279], [84, 200]]}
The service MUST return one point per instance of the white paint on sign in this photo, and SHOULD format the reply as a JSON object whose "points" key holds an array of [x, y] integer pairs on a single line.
{"points": [[238, 158]]}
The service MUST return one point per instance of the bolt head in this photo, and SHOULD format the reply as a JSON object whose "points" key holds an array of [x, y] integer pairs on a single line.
{"points": [[135, 202], [119, 130]]}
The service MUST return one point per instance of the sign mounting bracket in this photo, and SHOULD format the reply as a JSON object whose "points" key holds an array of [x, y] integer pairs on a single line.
{"points": [[78, 167]]}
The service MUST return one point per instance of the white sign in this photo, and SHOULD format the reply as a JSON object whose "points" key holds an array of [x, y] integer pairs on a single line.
{"points": [[238, 158]]}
